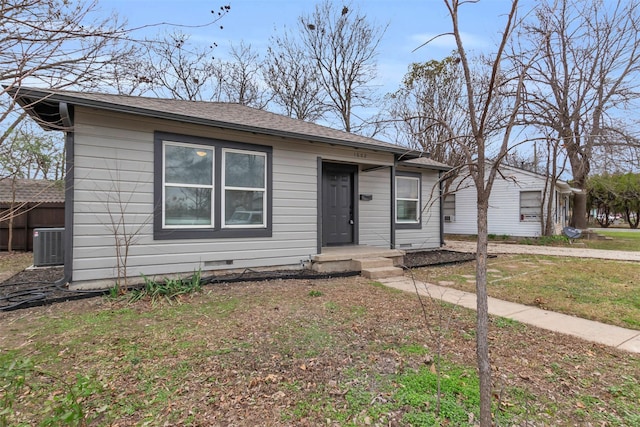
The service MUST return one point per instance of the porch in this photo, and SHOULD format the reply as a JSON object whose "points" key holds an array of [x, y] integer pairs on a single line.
{"points": [[372, 262]]}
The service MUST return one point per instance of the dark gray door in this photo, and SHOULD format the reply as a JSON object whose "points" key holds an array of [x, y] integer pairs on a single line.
{"points": [[337, 204]]}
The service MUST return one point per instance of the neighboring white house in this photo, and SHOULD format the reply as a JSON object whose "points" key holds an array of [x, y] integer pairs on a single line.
{"points": [[515, 204], [216, 186]]}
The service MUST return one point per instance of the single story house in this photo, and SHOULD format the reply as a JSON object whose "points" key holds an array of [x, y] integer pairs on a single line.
{"points": [[219, 186], [32, 203], [515, 204]]}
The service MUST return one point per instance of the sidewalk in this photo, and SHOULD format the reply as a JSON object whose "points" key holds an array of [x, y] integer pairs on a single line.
{"points": [[614, 336], [576, 252]]}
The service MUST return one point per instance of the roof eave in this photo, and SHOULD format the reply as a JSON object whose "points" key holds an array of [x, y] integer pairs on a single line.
{"points": [[432, 167], [23, 94]]}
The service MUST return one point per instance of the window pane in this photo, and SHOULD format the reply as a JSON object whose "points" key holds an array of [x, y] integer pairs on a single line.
{"points": [[407, 188], [188, 165], [530, 203], [449, 205], [244, 170], [407, 210], [187, 206], [244, 207]]}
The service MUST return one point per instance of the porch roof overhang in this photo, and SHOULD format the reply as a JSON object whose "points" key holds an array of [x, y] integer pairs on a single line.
{"points": [[424, 162], [564, 188]]}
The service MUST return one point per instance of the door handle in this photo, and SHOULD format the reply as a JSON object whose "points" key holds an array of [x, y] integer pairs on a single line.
{"points": [[350, 222]]}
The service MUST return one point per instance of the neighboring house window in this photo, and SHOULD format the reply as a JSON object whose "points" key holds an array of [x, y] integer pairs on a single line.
{"points": [[530, 206], [408, 200], [206, 188], [449, 208]]}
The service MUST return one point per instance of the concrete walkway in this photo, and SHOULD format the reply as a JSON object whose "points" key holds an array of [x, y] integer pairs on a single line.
{"points": [[614, 336], [576, 252]]}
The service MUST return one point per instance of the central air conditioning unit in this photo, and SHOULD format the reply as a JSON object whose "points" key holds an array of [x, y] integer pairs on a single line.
{"points": [[48, 246], [449, 218]]}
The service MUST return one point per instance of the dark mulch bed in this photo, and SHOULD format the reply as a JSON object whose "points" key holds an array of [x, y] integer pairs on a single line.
{"points": [[35, 287], [437, 257]]}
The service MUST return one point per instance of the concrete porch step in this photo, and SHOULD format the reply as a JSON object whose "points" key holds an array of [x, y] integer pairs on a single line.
{"points": [[381, 272], [360, 264], [355, 258]]}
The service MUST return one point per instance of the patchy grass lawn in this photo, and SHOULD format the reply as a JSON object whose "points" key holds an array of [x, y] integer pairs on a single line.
{"points": [[340, 352], [13, 263], [622, 240], [601, 290]]}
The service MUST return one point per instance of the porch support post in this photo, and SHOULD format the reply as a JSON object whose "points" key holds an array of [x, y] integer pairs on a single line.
{"points": [[392, 238], [441, 209], [319, 205]]}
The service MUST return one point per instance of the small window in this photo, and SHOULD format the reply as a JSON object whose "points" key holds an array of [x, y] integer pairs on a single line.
{"points": [[449, 208], [407, 200], [530, 206]]}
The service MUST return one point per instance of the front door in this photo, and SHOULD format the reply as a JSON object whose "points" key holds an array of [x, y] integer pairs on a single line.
{"points": [[337, 204]]}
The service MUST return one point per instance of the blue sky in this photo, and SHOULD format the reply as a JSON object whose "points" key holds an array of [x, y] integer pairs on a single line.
{"points": [[410, 23]]}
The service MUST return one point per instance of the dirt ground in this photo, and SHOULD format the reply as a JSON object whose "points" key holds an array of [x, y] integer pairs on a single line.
{"points": [[257, 373]]}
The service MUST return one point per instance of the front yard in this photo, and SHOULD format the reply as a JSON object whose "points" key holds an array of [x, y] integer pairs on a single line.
{"points": [[333, 352], [601, 290]]}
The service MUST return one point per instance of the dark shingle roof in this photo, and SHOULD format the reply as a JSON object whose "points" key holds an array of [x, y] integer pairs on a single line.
{"points": [[32, 191], [43, 104]]}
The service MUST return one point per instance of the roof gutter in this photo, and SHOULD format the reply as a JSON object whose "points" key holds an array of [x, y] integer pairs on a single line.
{"points": [[67, 121]]}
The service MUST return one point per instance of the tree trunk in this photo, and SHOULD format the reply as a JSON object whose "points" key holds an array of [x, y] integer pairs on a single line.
{"points": [[482, 328], [579, 217], [10, 236], [12, 210]]}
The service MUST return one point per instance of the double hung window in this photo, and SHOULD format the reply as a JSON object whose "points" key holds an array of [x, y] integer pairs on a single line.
{"points": [[449, 208], [530, 206], [408, 200], [207, 188], [244, 188], [188, 186]]}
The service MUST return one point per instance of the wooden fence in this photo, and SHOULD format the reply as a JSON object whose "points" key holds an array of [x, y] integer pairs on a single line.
{"points": [[43, 215]]}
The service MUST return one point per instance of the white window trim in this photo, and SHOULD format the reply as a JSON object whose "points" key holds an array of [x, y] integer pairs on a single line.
{"points": [[166, 184], [452, 202], [417, 200], [224, 189], [530, 217]]}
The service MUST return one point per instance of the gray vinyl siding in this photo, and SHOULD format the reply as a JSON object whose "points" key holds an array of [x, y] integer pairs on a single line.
{"points": [[114, 156], [504, 206], [428, 236], [375, 214]]}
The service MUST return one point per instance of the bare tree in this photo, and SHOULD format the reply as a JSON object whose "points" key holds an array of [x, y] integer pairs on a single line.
{"points": [[240, 77], [292, 78], [54, 42], [173, 68], [342, 44], [125, 225], [499, 94], [428, 110], [587, 74], [27, 154]]}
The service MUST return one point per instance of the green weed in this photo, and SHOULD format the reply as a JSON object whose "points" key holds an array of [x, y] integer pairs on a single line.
{"points": [[14, 372], [169, 290], [503, 322]]}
